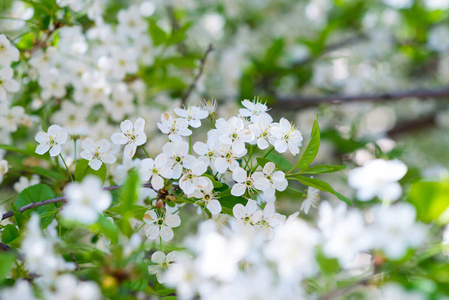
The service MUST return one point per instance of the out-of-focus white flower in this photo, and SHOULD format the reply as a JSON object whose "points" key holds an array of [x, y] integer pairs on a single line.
{"points": [[3, 169], [75, 5], [252, 109], [97, 153], [247, 183], [8, 53], [397, 292], [399, 3], [286, 137], [155, 169], [11, 118], [67, 286], [85, 200], [207, 196], [131, 23], [132, 136], [438, 39], [313, 196], [345, 234], [160, 225], [437, 4], [275, 180], [53, 84], [178, 157], [378, 178], [21, 290], [395, 230], [7, 84], [24, 182], [293, 250], [175, 128], [193, 115], [38, 251], [162, 263], [51, 140]]}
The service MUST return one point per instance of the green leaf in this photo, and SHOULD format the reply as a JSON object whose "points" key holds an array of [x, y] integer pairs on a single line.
{"points": [[281, 162], [49, 173], [9, 234], [128, 196], [322, 169], [26, 41], [20, 219], [157, 34], [22, 151], [38, 193], [6, 263], [216, 183], [431, 200], [228, 202], [312, 148], [323, 186], [108, 228], [82, 170]]}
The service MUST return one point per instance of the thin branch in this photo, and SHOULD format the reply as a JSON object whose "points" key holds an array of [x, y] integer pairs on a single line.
{"points": [[361, 37], [197, 77], [57, 200], [42, 43], [77, 266], [412, 126], [300, 102]]}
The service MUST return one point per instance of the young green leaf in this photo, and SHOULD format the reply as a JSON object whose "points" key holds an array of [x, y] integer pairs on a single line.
{"points": [[312, 148], [6, 263], [322, 169], [9, 234], [82, 170], [157, 34], [323, 186]]}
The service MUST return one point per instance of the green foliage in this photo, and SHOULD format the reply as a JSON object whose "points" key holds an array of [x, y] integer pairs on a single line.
{"points": [[320, 169], [431, 200], [157, 34], [38, 193], [82, 170], [6, 263], [108, 228], [128, 196], [9, 234], [323, 186], [311, 151]]}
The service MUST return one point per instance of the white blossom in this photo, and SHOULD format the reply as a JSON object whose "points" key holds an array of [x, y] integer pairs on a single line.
{"points": [[247, 182], [97, 152], [3, 169], [252, 109], [7, 84], [24, 182], [193, 115], [178, 157], [286, 137], [160, 225], [162, 263], [155, 170], [272, 180], [51, 140], [175, 128], [132, 136], [207, 196]]}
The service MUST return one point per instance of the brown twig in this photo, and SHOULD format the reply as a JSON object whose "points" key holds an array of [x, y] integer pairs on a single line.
{"points": [[300, 102], [412, 126], [42, 43], [57, 200], [77, 266], [332, 47], [197, 77]]}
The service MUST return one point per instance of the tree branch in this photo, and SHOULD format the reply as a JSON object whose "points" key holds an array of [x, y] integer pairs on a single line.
{"points": [[197, 77], [300, 102], [58, 200]]}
